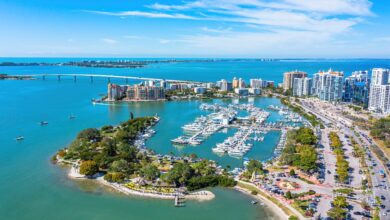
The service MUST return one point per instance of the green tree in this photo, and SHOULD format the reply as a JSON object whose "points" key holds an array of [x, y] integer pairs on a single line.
{"points": [[288, 195], [293, 217], [340, 202], [89, 134], [150, 172], [89, 168], [179, 174], [120, 165], [337, 213], [292, 172], [254, 166], [115, 177]]}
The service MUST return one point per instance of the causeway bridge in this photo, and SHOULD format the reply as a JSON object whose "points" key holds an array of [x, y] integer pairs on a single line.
{"points": [[106, 76]]}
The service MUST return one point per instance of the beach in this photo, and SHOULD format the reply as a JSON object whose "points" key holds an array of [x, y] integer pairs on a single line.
{"points": [[270, 205], [202, 195]]}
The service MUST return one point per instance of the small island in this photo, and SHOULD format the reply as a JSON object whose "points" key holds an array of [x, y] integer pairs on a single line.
{"points": [[116, 156]]}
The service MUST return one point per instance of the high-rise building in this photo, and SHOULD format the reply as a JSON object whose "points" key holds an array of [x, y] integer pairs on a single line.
{"points": [[302, 86], [115, 92], [257, 83], [288, 78], [143, 93], [163, 84], [241, 83], [356, 88], [235, 83], [328, 86], [226, 86], [379, 99]]}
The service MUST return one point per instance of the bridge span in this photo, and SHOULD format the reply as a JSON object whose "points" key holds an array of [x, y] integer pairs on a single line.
{"points": [[107, 76]]}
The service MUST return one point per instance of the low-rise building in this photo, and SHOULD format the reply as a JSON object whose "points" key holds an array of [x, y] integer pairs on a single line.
{"points": [[254, 91], [200, 90], [241, 91]]}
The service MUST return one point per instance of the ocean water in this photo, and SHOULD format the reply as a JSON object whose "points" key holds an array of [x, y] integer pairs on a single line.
{"points": [[33, 188]]}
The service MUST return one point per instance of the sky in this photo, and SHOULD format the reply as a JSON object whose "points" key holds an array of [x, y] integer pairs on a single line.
{"points": [[195, 28]]}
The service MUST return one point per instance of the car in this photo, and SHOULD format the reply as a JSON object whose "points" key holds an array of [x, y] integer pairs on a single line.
{"points": [[357, 213], [383, 206], [383, 198]]}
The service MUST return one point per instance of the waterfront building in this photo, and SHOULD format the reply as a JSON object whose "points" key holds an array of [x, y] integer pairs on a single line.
{"points": [[288, 78], [302, 86], [163, 84], [226, 86], [200, 90], [270, 83], [235, 83], [210, 85], [379, 99], [144, 93], [241, 91], [241, 83], [178, 86], [258, 83], [356, 88], [328, 85], [115, 92], [254, 91]]}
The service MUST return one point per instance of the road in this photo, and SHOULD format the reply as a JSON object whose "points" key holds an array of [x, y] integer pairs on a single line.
{"points": [[380, 185]]}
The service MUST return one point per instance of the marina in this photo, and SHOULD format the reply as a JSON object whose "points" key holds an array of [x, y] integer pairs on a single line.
{"points": [[248, 121]]}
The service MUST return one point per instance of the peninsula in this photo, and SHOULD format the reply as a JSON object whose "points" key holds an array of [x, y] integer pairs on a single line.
{"points": [[116, 156]]}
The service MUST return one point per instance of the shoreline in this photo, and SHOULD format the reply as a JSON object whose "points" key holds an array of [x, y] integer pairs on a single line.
{"points": [[200, 196], [269, 204]]}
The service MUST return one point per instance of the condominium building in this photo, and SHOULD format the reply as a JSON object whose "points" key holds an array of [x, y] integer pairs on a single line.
{"points": [[288, 78], [140, 93], [302, 86], [257, 83], [379, 99], [356, 88], [328, 85], [115, 92], [235, 83], [241, 83], [225, 86]]}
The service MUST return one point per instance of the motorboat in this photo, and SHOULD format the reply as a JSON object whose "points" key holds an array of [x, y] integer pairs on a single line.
{"points": [[19, 138]]}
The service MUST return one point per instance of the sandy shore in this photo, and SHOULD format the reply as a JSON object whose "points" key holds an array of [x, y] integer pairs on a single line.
{"points": [[198, 195], [270, 205]]}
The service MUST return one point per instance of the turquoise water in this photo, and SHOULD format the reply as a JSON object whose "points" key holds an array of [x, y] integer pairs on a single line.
{"points": [[32, 188]]}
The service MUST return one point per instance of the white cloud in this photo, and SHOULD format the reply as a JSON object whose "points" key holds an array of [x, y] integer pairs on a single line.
{"points": [[142, 14], [219, 30], [291, 26], [109, 41]]}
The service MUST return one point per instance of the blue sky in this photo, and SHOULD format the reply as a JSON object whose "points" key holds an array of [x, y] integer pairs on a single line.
{"points": [[195, 28]]}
